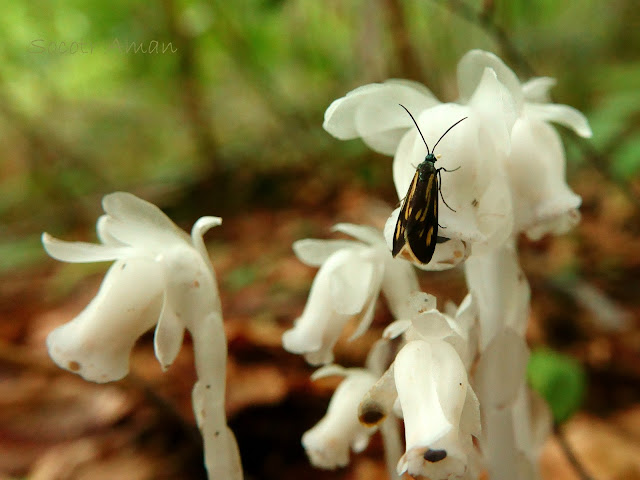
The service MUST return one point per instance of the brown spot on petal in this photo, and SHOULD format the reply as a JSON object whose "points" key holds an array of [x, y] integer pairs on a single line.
{"points": [[457, 254], [74, 366], [474, 202], [371, 416], [196, 284], [434, 456]]}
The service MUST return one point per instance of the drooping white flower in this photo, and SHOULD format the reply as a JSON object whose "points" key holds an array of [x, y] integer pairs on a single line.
{"points": [[457, 325], [160, 277], [512, 164], [478, 191], [328, 443], [440, 410], [350, 278], [542, 201]]}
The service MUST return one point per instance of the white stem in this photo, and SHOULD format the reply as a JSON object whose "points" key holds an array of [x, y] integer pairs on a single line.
{"points": [[222, 457], [503, 296], [393, 446]]}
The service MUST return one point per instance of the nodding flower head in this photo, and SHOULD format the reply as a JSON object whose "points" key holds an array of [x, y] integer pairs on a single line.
{"points": [[160, 276], [328, 443], [352, 274]]}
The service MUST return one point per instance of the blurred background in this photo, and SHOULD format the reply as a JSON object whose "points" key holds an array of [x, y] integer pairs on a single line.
{"points": [[216, 108]]}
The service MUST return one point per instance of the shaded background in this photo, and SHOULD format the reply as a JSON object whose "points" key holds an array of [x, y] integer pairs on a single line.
{"points": [[228, 122]]}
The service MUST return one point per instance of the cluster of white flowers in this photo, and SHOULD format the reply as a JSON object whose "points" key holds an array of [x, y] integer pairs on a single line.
{"points": [[455, 377], [458, 378]]}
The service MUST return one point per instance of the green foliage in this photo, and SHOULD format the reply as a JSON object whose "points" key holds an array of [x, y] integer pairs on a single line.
{"points": [[559, 379], [255, 77]]}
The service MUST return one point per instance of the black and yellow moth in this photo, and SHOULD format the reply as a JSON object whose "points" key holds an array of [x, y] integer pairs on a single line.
{"points": [[416, 232]]}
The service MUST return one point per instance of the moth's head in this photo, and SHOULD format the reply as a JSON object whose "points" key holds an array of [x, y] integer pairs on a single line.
{"points": [[431, 158]]}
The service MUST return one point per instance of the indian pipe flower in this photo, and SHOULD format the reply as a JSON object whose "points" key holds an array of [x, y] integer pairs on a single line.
{"points": [[351, 276], [160, 276]]}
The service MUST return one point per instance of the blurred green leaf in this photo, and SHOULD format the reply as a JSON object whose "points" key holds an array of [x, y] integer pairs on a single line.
{"points": [[240, 277], [559, 379]]}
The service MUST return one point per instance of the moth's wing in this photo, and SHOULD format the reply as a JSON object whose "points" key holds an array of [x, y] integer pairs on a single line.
{"points": [[399, 240], [421, 232]]}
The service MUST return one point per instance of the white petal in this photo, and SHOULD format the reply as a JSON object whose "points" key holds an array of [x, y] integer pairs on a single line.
{"points": [[432, 325], [390, 228], [497, 381], [137, 222], [329, 371], [317, 330], [432, 385], [537, 154], [97, 343], [81, 252], [501, 291], [102, 230], [369, 235], [472, 67], [422, 302], [399, 280], [351, 285], [366, 317], [562, 114], [202, 225], [498, 109], [372, 112], [168, 337], [191, 290], [425, 419], [409, 154], [314, 252], [537, 89], [395, 329], [327, 443]]}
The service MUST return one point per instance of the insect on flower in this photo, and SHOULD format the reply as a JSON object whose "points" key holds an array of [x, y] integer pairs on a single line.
{"points": [[416, 232]]}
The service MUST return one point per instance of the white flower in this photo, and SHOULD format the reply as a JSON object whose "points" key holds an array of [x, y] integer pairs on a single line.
{"points": [[542, 201], [479, 191], [456, 326], [511, 175], [440, 410], [160, 276], [351, 275], [327, 444]]}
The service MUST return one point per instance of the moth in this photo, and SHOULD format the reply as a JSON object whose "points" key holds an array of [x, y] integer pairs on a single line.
{"points": [[416, 233]]}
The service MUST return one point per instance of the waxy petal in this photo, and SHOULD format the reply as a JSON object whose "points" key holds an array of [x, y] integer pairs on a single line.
{"points": [[137, 222], [562, 114], [314, 252], [97, 343], [81, 252], [364, 233], [373, 113], [168, 337], [471, 69], [327, 444], [537, 89]]}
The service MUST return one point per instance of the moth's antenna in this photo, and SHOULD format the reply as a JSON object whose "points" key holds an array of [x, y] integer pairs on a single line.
{"points": [[434, 148], [416, 124]]}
